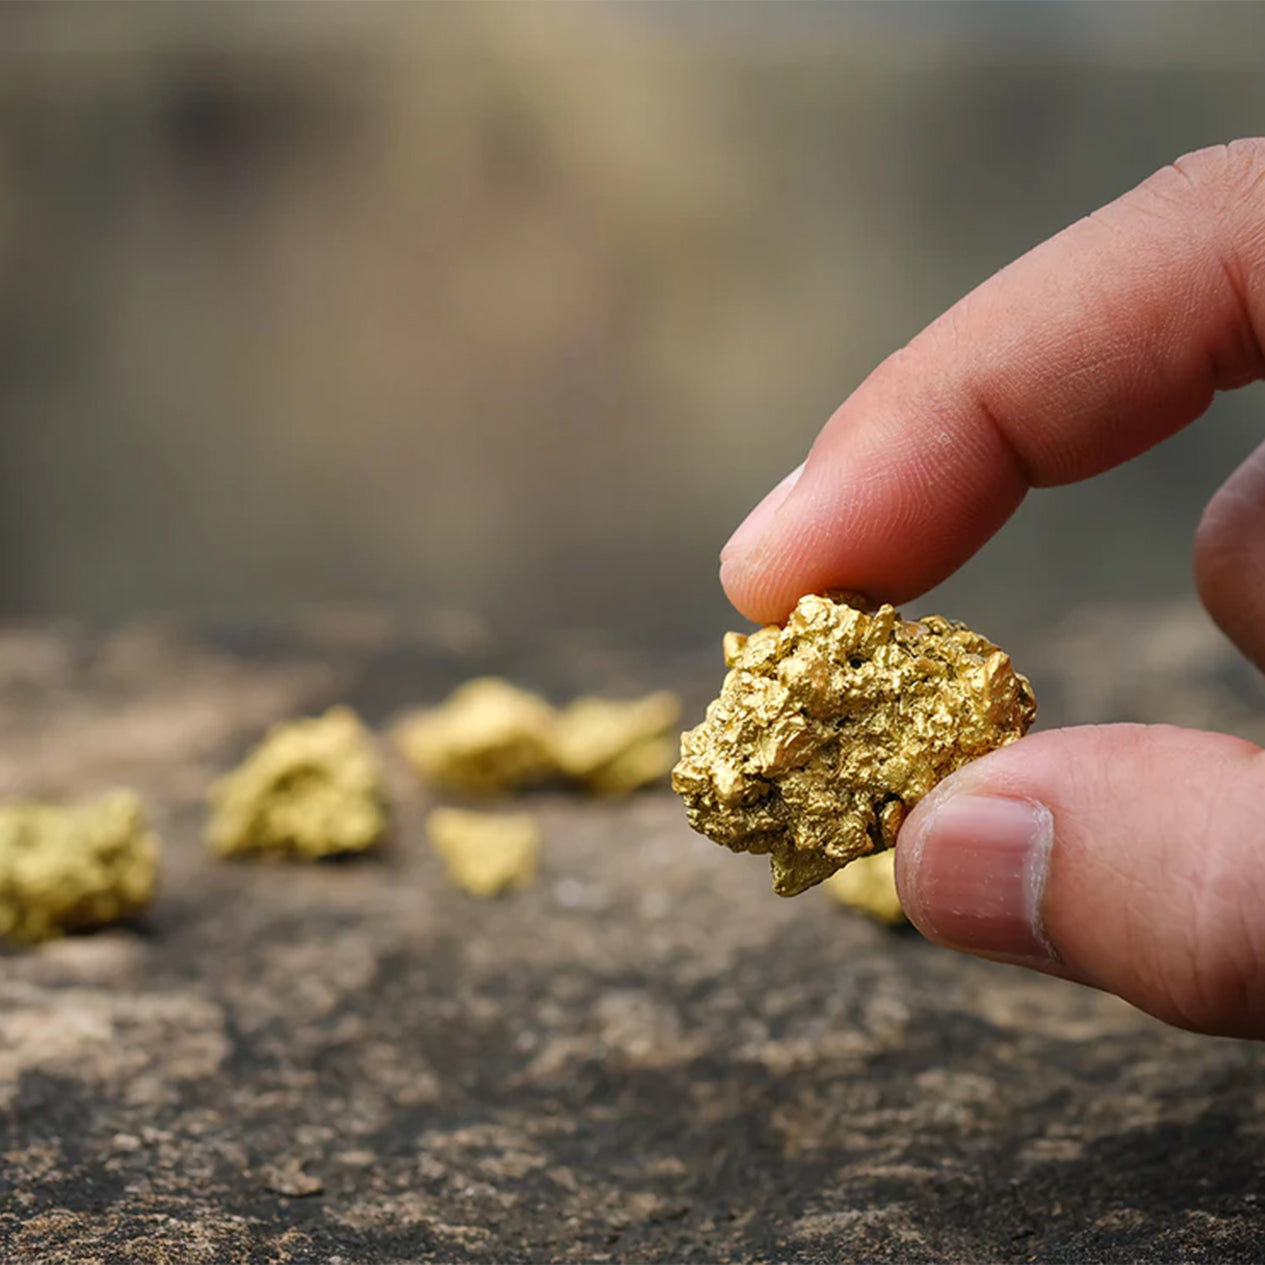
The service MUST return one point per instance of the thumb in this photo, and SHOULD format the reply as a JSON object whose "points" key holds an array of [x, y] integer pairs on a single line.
{"points": [[1128, 857]]}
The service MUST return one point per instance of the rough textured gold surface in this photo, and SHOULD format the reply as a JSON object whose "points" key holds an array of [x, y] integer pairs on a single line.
{"points": [[829, 730], [489, 737], [312, 788], [612, 746], [868, 884], [486, 853], [71, 869]]}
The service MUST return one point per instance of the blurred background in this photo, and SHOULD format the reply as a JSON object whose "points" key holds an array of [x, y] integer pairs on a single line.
{"points": [[516, 308]]}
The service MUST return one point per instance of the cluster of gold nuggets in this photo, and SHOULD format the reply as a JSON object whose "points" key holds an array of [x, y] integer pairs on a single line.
{"points": [[826, 732], [316, 788], [493, 739]]}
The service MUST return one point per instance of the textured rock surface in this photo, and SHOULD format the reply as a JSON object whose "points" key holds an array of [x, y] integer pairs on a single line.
{"points": [[829, 730], [645, 1056]]}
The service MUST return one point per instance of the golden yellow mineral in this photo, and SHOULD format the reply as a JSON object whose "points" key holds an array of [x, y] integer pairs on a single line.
{"points": [[488, 737], [76, 868], [868, 885], [829, 730], [613, 747], [313, 788], [486, 853]]}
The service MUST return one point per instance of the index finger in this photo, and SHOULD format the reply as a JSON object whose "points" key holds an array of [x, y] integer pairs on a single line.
{"points": [[1083, 353]]}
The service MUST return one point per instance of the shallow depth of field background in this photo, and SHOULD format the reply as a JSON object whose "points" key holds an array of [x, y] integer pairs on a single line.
{"points": [[517, 308]]}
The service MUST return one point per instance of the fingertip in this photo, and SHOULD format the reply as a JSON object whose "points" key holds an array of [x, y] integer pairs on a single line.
{"points": [[748, 589], [754, 527], [752, 561], [1229, 557]]}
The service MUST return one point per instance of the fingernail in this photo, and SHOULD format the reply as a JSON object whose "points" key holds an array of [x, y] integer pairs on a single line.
{"points": [[756, 523], [975, 874]]}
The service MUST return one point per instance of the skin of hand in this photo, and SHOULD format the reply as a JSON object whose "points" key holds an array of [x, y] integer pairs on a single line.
{"points": [[1127, 857]]}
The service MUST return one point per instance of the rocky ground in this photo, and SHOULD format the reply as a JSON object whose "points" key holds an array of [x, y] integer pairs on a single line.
{"points": [[645, 1057]]}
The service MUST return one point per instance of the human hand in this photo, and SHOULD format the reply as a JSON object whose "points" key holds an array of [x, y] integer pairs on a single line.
{"points": [[1128, 857]]}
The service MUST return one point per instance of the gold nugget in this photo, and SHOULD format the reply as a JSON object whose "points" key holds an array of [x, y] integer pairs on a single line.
{"points": [[313, 788], [614, 747], [868, 885], [829, 730], [489, 737], [486, 853], [72, 869]]}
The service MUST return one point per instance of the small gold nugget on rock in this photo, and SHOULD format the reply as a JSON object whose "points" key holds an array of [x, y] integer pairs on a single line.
{"points": [[492, 738], [868, 885], [313, 788], [613, 747], [829, 730], [488, 737], [486, 853], [73, 869]]}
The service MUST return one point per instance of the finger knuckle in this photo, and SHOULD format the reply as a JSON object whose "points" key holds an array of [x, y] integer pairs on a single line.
{"points": [[1214, 979], [1216, 179], [1218, 994]]}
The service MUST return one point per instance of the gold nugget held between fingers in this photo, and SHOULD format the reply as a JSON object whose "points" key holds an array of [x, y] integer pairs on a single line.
{"points": [[829, 730], [486, 853], [313, 788], [75, 868]]}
